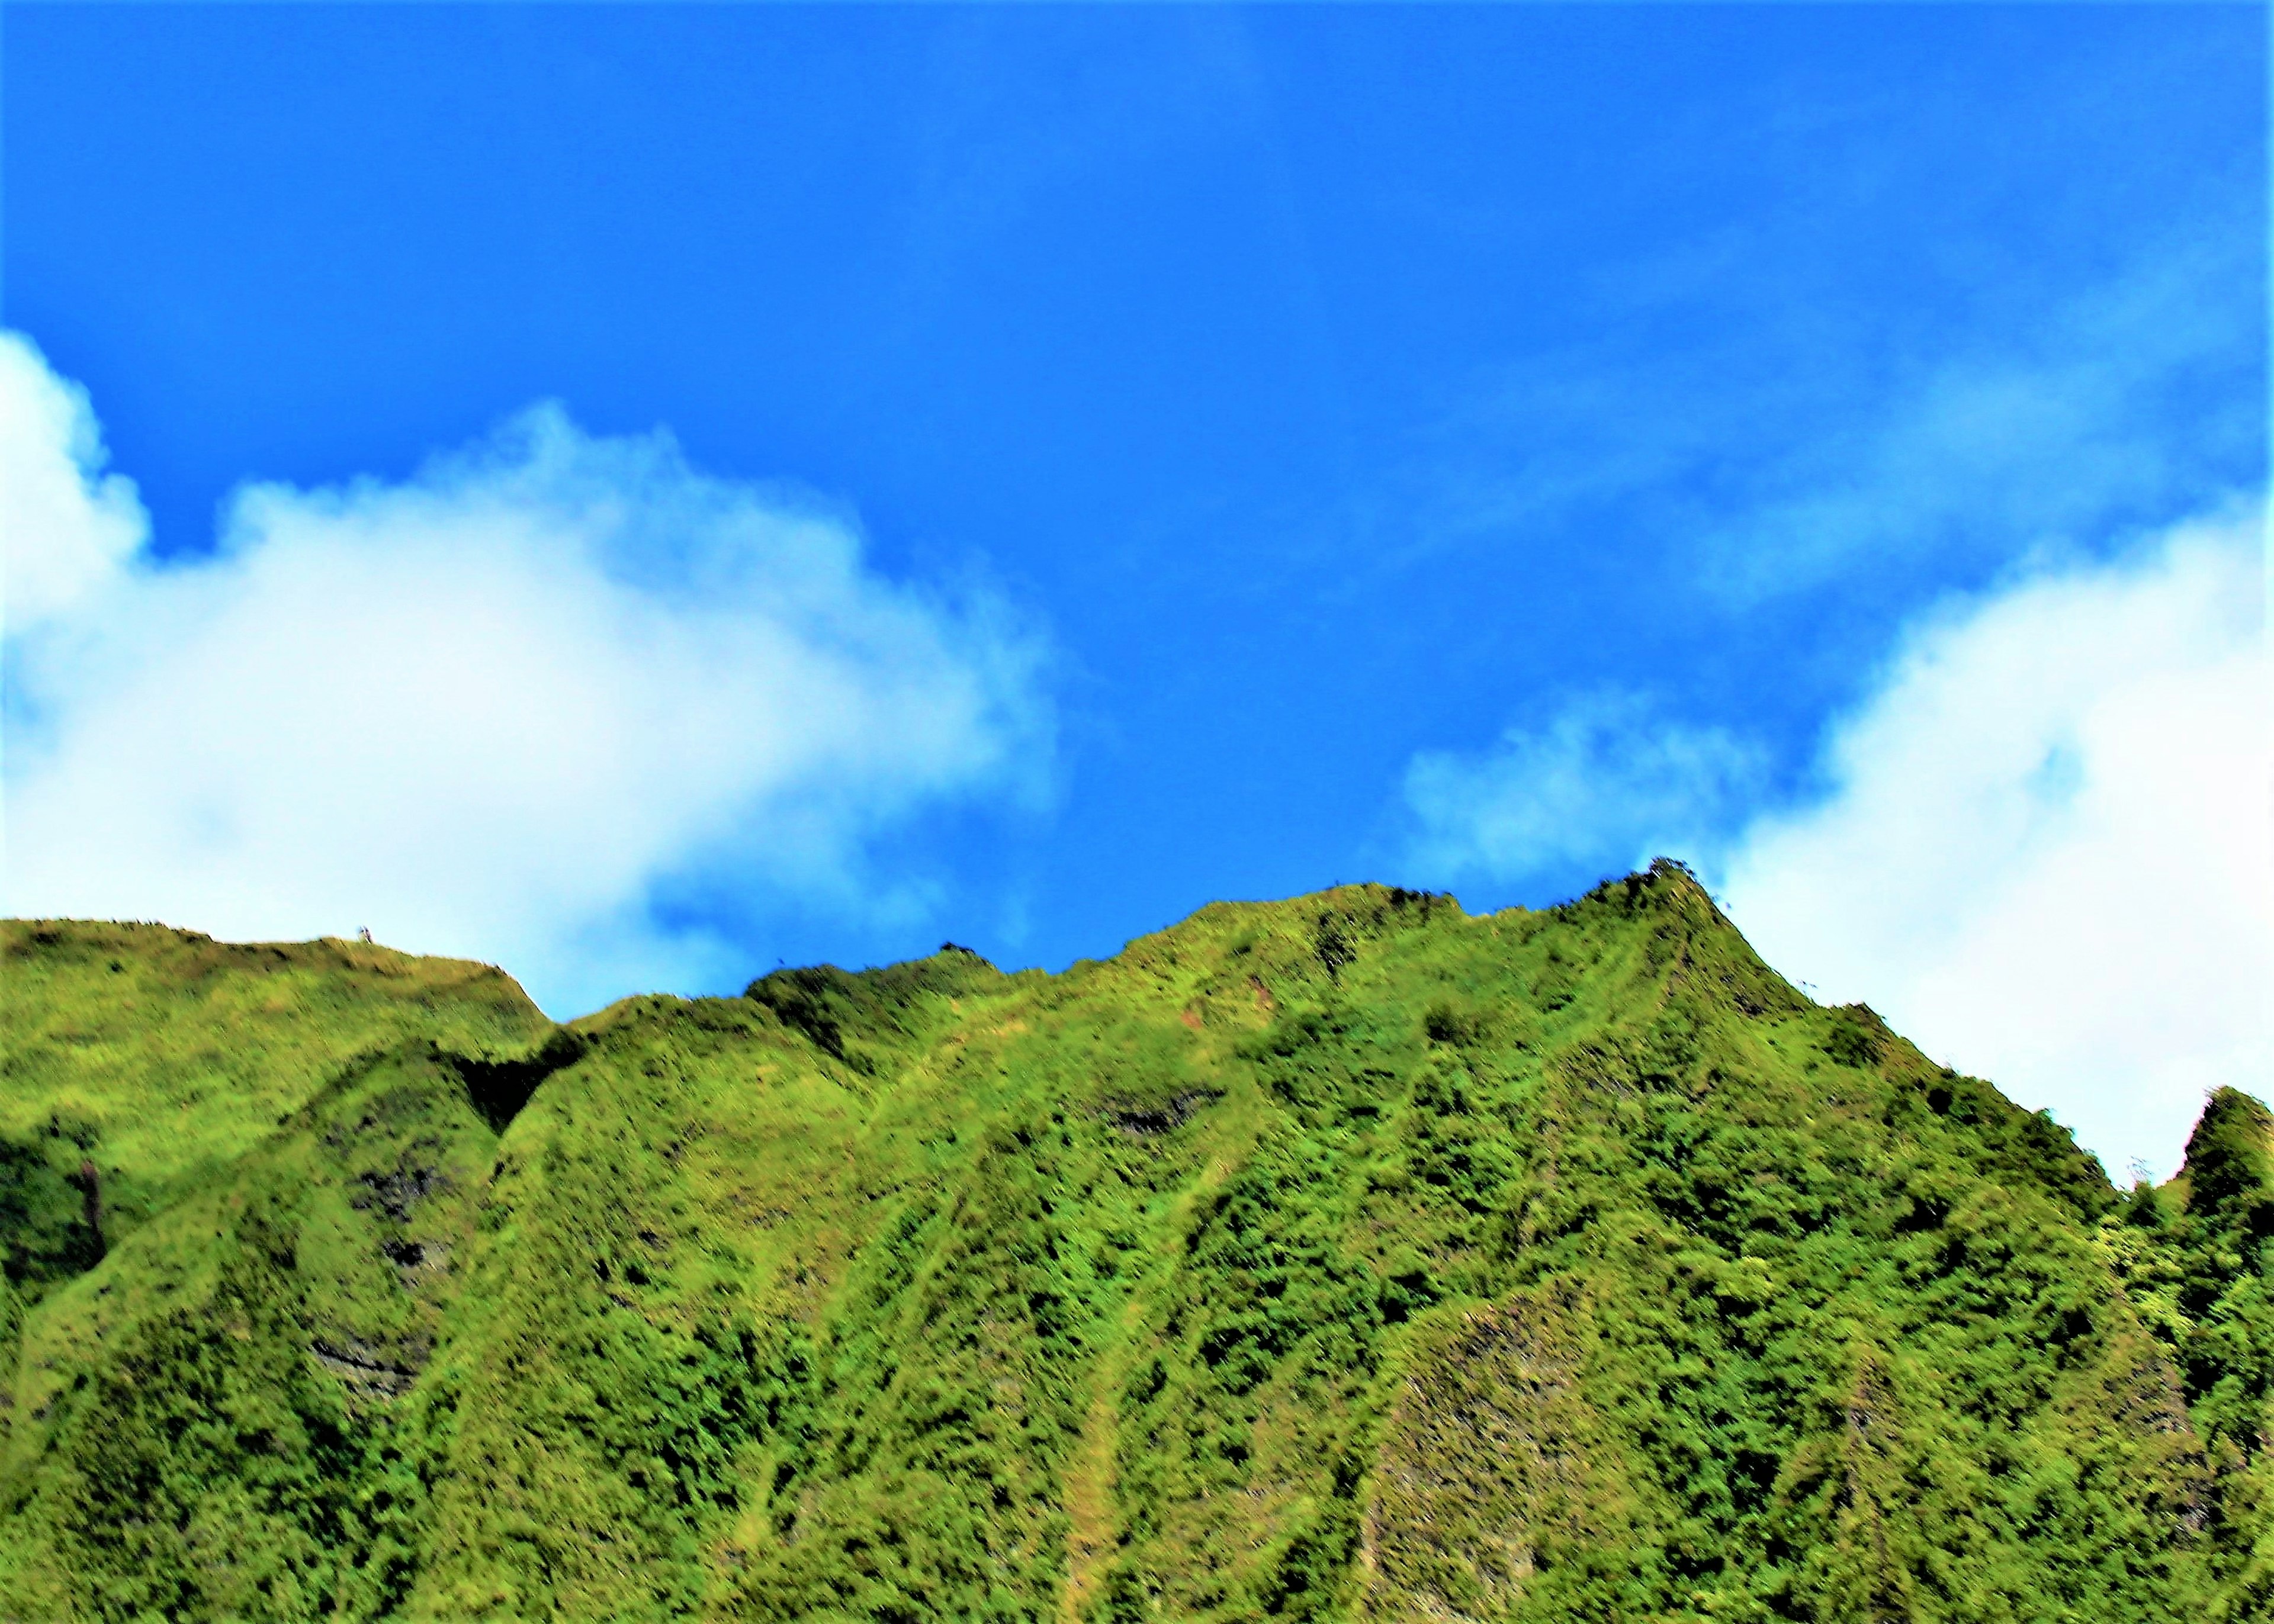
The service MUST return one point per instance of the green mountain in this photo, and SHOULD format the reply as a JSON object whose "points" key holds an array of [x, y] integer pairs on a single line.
{"points": [[1348, 1258]]}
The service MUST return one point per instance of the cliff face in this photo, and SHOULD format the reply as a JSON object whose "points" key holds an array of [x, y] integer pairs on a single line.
{"points": [[1343, 1257]]}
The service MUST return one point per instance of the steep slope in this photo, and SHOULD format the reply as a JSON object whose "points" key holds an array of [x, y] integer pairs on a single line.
{"points": [[1345, 1257]]}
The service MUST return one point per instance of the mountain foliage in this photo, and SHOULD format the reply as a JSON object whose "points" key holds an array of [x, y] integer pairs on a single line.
{"points": [[1347, 1258]]}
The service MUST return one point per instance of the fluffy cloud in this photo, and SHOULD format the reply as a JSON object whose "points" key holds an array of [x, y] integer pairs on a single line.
{"points": [[2044, 849], [69, 525], [2047, 854], [488, 711]]}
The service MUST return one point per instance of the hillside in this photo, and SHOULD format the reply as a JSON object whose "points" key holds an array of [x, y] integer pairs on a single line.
{"points": [[1346, 1258]]}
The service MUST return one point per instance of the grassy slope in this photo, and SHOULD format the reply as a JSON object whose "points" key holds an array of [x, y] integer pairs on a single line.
{"points": [[1342, 1258], [162, 1056]]}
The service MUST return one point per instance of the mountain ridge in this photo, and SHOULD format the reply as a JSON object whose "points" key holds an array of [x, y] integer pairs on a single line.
{"points": [[1344, 1256]]}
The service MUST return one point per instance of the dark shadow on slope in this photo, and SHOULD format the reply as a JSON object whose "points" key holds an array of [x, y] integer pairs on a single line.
{"points": [[497, 1089], [50, 1227]]}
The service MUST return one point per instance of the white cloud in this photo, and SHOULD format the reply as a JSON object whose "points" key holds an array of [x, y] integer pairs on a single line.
{"points": [[2045, 852], [484, 711], [2048, 855], [1605, 781], [69, 525]]}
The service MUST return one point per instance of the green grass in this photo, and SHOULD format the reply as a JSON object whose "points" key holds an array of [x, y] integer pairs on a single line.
{"points": [[161, 1057], [1345, 1257]]}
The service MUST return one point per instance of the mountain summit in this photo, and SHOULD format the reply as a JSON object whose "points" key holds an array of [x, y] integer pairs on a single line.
{"points": [[1345, 1257]]}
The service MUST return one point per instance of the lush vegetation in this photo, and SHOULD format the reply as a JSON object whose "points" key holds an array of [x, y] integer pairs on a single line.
{"points": [[1348, 1258]]}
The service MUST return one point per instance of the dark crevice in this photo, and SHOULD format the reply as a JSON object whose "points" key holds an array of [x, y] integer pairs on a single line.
{"points": [[1150, 1121]]}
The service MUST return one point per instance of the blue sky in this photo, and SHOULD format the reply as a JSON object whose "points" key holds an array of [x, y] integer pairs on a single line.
{"points": [[1081, 463]]}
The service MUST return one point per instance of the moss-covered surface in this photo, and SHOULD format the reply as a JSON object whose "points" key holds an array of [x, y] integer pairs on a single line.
{"points": [[1345, 1257]]}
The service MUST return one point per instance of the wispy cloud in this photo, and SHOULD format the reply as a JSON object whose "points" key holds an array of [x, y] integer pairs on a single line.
{"points": [[492, 709], [1777, 445], [2043, 845], [2067, 430], [1606, 781]]}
